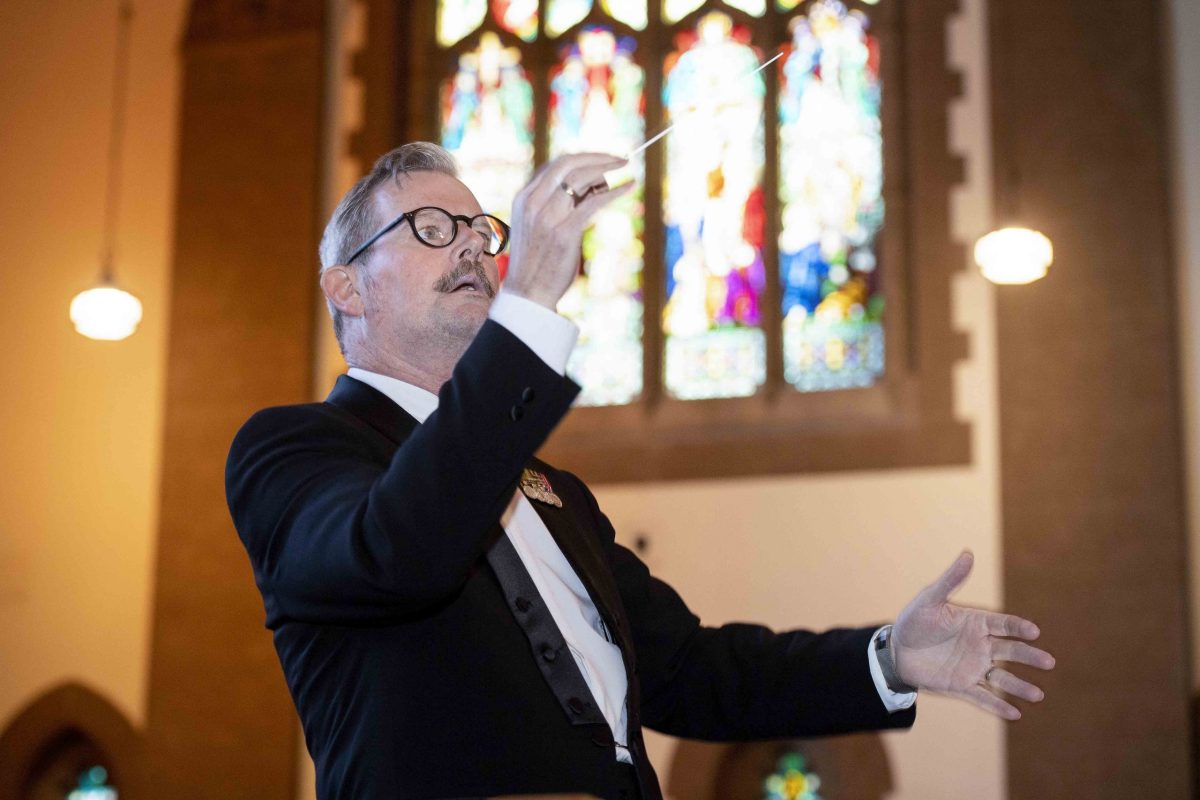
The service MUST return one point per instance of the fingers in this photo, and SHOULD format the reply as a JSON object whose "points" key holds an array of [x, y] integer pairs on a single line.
{"points": [[576, 170], [991, 703], [1010, 625], [596, 200], [940, 590], [1021, 653], [1005, 681]]}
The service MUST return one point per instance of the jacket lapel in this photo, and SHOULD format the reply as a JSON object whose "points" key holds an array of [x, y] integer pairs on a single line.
{"points": [[586, 557], [373, 407]]}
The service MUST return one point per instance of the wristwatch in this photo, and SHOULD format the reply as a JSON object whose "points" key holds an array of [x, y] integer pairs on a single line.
{"points": [[887, 662]]}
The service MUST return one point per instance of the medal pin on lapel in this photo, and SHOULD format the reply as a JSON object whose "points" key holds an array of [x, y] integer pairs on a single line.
{"points": [[536, 486]]}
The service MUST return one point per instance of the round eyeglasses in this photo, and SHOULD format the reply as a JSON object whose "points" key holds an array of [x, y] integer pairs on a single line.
{"points": [[437, 227]]}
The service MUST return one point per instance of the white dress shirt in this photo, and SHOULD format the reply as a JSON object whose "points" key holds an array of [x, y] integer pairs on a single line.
{"points": [[552, 337]]}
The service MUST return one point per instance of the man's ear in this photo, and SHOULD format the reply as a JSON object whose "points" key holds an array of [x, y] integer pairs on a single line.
{"points": [[339, 288]]}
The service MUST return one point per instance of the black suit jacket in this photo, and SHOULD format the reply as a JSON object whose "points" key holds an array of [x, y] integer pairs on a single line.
{"points": [[417, 670]]}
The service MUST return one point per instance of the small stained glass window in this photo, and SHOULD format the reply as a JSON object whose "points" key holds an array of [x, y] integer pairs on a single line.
{"points": [[831, 200], [630, 12], [713, 214], [517, 16], [596, 105], [675, 10], [791, 780], [457, 18], [487, 123], [561, 15], [93, 785], [755, 8]]}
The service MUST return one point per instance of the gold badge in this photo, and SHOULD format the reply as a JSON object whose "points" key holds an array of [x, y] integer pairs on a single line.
{"points": [[537, 487]]}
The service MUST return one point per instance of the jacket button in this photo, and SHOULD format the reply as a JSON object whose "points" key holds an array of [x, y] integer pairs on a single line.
{"points": [[523, 604], [528, 394], [576, 705], [603, 738], [515, 413], [549, 653]]}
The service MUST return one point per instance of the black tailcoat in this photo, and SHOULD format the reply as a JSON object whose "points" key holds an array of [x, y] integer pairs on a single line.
{"points": [[420, 659]]}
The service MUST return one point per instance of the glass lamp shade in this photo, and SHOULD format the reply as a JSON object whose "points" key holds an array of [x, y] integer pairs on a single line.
{"points": [[106, 312], [1014, 255]]}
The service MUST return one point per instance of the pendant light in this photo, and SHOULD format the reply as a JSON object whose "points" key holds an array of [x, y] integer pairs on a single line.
{"points": [[105, 311]]}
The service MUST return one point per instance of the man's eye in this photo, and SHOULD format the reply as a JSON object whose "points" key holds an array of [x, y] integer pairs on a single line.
{"points": [[431, 233]]}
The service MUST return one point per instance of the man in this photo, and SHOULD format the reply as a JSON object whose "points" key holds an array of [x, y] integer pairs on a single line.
{"points": [[453, 617]]}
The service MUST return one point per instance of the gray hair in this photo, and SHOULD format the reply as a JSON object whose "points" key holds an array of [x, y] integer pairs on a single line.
{"points": [[354, 218]]}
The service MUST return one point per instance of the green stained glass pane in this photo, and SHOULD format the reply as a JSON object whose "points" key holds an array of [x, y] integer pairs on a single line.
{"points": [[675, 10], [562, 14], [831, 200], [713, 214], [487, 123], [517, 16], [596, 105], [755, 8], [630, 12], [457, 18], [787, 5]]}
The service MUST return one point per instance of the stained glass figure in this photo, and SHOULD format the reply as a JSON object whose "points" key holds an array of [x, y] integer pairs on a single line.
{"points": [[561, 15], [630, 12], [596, 105], [487, 123], [791, 781], [713, 213], [457, 18], [517, 16], [675, 10], [753, 7], [831, 196]]}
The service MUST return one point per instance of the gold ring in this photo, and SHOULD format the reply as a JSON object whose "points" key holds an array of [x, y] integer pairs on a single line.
{"points": [[571, 193]]}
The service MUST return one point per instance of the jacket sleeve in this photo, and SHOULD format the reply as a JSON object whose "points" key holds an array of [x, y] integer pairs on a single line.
{"points": [[336, 535], [741, 681]]}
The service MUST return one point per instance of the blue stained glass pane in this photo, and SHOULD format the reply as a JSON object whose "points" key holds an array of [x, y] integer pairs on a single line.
{"points": [[713, 214], [831, 199]]}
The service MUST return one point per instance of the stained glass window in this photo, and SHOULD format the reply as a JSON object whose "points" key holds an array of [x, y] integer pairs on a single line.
{"points": [[487, 123], [457, 18], [517, 16], [631, 12], [710, 221], [791, 781], [93, 785], [596, 105], [713, 214], [561, 15], [831, 200], [675, 10]]}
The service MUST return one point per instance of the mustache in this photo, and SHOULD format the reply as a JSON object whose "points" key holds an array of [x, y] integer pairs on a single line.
{"points": [[464, 268]]}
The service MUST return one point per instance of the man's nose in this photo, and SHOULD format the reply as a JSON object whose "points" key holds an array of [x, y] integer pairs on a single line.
{"points": [[469, 244]]}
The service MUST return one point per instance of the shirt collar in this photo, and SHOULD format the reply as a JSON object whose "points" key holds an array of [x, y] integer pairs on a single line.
{"points": [[413, 399]]}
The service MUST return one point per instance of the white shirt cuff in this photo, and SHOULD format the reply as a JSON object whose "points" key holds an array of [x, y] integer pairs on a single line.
{"points": [[550, 336], [892, 701]]}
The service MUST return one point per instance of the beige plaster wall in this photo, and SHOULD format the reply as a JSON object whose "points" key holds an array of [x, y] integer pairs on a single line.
{"points": [[79, 419]]}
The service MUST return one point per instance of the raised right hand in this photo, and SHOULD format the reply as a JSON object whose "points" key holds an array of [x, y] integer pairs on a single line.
{"points": [[548, 224]]}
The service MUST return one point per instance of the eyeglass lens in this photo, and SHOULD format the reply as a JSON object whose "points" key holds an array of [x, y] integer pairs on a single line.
{"points": [[436, 228]]}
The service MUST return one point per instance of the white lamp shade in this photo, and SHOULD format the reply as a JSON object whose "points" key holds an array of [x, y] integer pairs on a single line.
{"points": [[1014, 255], [106, 312]]}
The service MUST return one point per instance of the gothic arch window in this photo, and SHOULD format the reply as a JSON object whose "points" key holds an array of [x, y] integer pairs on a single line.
{"points": [[773, 296]]}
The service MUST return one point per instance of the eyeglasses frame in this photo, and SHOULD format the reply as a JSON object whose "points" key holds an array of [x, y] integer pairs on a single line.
{"points": [[411, 216]]}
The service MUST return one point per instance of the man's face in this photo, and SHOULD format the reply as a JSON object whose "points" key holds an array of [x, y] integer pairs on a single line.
{"points": [[427, 303]]}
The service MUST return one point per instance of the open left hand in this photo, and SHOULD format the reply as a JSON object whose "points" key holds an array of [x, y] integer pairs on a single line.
{"points": [[952, 650]]}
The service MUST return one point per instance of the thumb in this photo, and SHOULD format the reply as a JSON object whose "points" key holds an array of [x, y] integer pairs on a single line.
{"points": [[940, 590]]}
